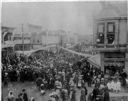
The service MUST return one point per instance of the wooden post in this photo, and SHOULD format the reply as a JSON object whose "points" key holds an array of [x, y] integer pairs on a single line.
{"points": [[22, 38]]}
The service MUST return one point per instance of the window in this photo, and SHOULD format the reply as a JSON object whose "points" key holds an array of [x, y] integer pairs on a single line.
{"points": [[110, 38], [100, 34], [110, 32], [101, 28], [111, 27], [100, 38]]}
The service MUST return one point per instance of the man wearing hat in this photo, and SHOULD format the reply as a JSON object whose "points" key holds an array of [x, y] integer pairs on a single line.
{"points": [[106, 94], [72, 93], [58, 84]]}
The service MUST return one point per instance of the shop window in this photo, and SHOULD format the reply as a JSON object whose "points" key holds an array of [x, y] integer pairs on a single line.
{"points": [[100, 34]]}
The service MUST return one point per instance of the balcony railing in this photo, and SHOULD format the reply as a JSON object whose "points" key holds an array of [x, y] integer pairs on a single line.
{"points": [[110, 47]]}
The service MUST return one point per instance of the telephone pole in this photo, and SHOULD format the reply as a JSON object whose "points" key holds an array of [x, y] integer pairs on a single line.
{"points": [[22, 39]]}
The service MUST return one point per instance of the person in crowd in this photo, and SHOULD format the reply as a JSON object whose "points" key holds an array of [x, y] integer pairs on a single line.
{"points": [[83, 94], [32, 99], [39, 81], [95, 93], [25, 96], [10, 96], [5, 79], [106, 94], [71, 82], [89, 79], [42, 89], [100, 95], [118, 86], [73, 94], [19, 97], [58, 84], [109, 85], [64, 93], [90, 96]]}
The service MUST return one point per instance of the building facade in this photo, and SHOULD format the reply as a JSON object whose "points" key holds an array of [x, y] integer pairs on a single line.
{"points": [[22, 42], [26, 37], [6, 40], [111, 39], [7, 33]]}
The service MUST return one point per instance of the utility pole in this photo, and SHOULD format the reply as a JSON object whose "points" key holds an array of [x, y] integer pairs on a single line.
{"points": [[22, 38]]}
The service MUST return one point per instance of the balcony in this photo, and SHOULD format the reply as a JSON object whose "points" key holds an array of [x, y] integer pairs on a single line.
{"points": [[110, 47], [114, 59]]}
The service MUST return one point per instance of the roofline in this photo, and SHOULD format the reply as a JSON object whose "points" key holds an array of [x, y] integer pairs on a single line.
{"points": [[113, 18], [8, 27]]}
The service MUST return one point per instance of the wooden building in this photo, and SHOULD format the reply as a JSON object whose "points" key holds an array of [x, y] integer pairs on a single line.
{"points": [[111, 38]]}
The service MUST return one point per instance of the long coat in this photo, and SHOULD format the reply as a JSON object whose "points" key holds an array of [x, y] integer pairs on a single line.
{"points": [[106, 96], [83, 95], [73, 95], [25, 97]]}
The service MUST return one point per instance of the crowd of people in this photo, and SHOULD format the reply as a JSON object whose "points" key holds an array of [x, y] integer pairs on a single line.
{"points": [[61, 71], [21, 96]]}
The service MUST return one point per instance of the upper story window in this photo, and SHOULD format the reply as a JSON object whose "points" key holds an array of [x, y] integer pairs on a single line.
{"points": [[110, 32], [111, 27], [100, 33], [101, 28]]}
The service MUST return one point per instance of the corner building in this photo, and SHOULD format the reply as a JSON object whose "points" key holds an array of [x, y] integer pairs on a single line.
{"points": [[111, 38]]}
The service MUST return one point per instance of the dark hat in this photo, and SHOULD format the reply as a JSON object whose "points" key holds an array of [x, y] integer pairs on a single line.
{"points": [[24, 90]]}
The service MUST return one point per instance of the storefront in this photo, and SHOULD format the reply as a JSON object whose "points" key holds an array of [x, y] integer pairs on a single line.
{"points": [[113, 62], [110, 41]]}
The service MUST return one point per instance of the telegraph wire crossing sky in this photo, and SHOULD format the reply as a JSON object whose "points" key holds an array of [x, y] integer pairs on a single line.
{"points": [[76, 17]]}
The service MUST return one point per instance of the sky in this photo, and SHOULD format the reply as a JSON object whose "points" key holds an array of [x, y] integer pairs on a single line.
{"points": [[76, 17]]}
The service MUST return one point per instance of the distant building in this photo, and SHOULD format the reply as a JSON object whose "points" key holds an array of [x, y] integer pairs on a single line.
{"points": [[6, 38], [26, 37], [7, 33], [36, 40], [22, 42], [50, 38], [85, 38], [67, 38], [72, 38]]}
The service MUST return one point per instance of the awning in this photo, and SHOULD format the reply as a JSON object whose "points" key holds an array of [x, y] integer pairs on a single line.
{"points": [[47, 47], [95, 60], [28, 53], [74, 52]]}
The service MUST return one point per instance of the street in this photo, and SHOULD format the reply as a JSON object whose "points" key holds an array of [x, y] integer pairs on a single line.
{"points": [[32, 91]]}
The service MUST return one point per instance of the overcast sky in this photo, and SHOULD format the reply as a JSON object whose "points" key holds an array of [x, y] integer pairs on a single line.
{"points": [[71, 16]]}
